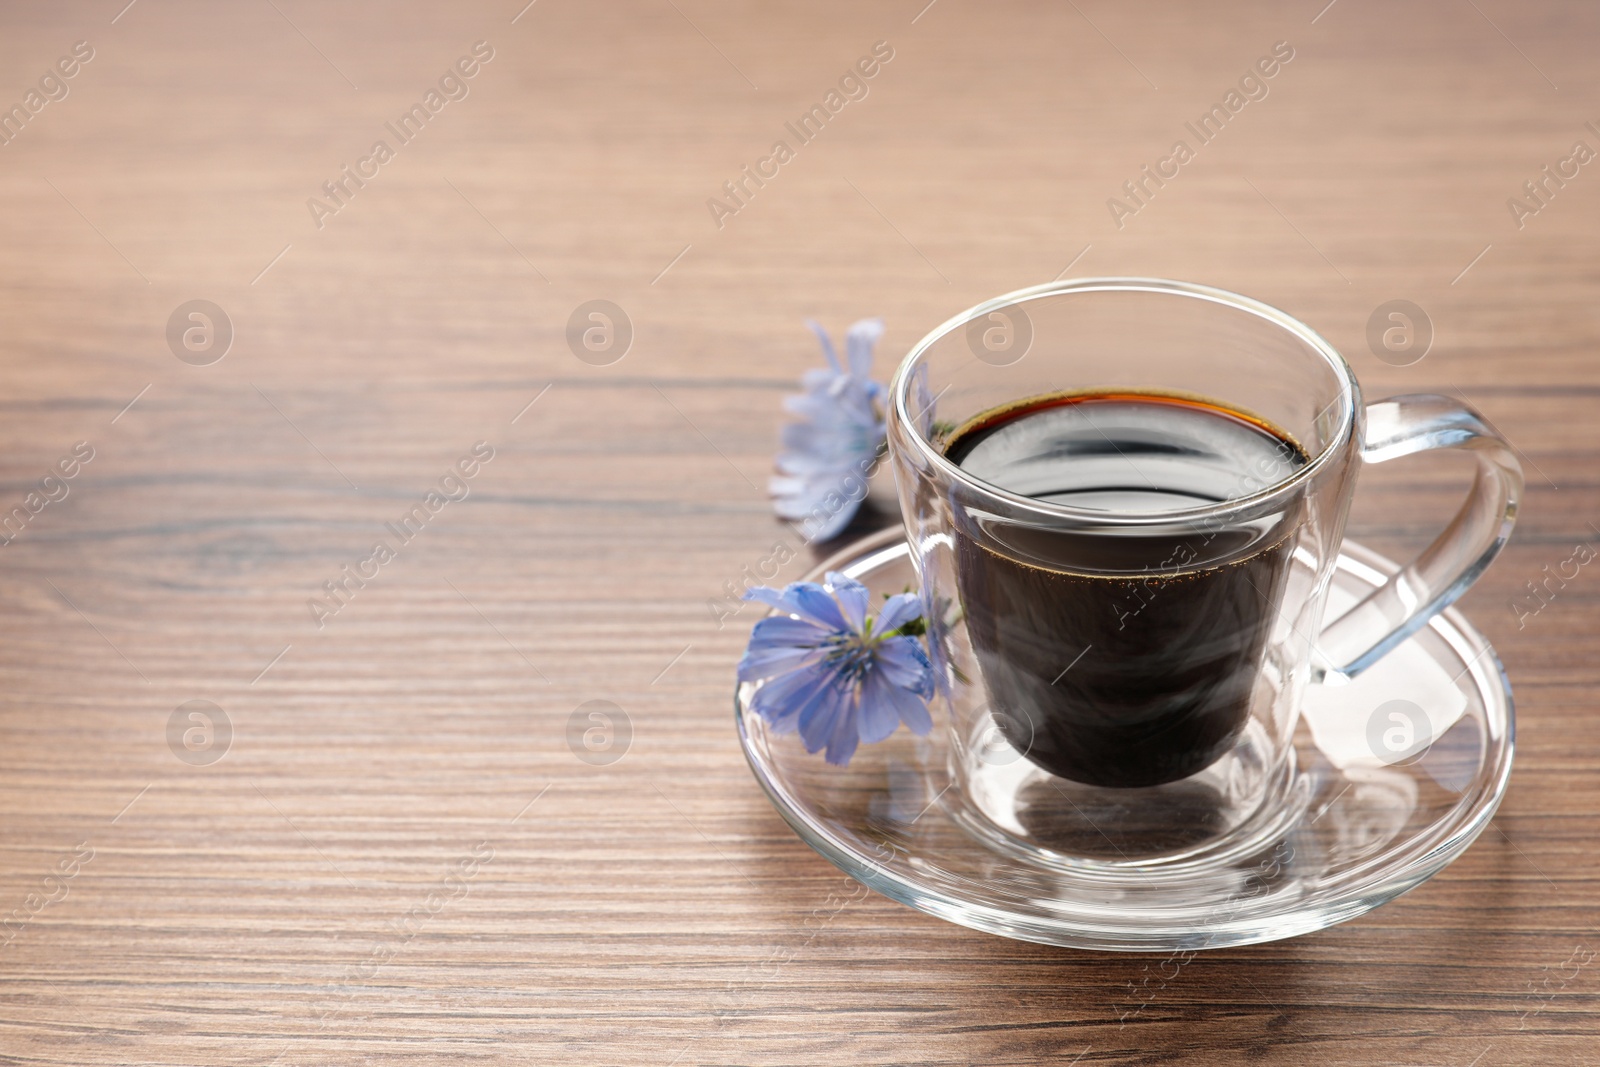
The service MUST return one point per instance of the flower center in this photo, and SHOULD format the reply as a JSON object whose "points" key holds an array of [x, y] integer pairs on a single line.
{"points": [[851, 657]]}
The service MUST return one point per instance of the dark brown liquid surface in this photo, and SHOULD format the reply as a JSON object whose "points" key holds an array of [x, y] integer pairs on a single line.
{"points": [[1122, 659]]}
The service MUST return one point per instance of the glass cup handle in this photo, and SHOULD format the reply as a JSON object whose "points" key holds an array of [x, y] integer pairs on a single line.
{"points": [[1402, 426]]}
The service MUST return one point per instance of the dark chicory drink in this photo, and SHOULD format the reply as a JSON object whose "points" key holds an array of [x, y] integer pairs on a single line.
{"points": [[1125, 658]]}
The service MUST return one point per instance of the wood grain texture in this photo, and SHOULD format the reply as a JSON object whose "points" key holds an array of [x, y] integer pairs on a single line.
{"points": [[655, 911]]}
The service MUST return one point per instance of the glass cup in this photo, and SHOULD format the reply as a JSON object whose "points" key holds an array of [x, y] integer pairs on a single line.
{"points": [[1124, 630]]}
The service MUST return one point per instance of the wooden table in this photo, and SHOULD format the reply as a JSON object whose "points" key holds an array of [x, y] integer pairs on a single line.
{"points": [[399, 857]]}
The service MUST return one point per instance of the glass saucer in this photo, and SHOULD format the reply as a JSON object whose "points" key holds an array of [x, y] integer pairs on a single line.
{"points": [[1370, 813]]}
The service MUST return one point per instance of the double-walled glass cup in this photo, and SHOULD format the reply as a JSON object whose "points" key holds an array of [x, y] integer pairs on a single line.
{"points": [[1122, 658]]}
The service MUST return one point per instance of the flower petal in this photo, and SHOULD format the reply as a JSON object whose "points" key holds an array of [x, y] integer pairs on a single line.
{"points": [[913, 712], [841, 401], [842, 745], [782, 701], [903, 661], [776, 630], [818, 379], [858, 345], [830, 526], [805, 599], [825, 472], [754, 666], [839, 443], [781, 643], [759, 663], [900, 705], [765, 594], [897, 611], [880, 713], [852, 598], [802, 506], [820, 718], [829, 453], [827, 345], [815, 603]]}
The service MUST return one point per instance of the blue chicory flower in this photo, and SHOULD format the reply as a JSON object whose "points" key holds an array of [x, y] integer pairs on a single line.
{"points": [[828, 455], [832, 672]]}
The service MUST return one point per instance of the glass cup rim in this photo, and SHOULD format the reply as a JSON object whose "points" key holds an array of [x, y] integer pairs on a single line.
{"points": [[1349, 396]]}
